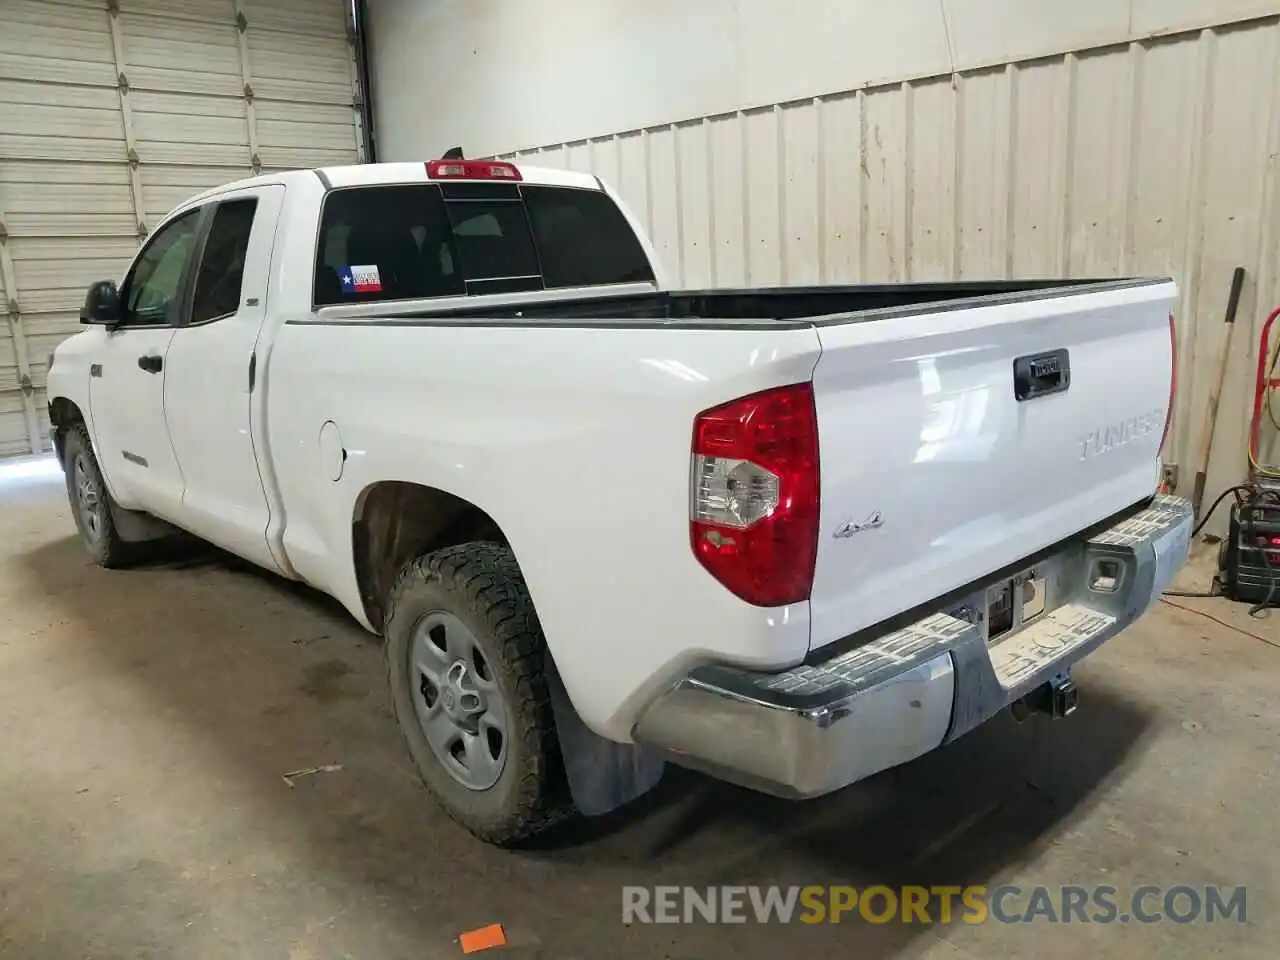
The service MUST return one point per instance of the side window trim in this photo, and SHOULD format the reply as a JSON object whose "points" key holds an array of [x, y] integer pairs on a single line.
{"points": [[210, 213], [185, 284]]}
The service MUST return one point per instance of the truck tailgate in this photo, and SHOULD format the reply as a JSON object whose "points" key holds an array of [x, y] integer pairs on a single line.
{"points": [[959, 441]]}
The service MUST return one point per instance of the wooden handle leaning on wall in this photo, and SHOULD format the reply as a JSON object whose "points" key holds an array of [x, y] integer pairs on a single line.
{"points": [[1215, 393]]}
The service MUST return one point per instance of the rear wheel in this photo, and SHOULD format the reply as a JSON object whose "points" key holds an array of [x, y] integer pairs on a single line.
{"points": [[91, 503], [465, 660]]}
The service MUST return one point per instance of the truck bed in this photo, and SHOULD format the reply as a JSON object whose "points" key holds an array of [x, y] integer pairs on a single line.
{"points": [[751, 306]]}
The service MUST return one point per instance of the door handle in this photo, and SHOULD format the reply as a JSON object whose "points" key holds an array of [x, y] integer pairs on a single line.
{"points": [[151, 363], [1041, 375]]}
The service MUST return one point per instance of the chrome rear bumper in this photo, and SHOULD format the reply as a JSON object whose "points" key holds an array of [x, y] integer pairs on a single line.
{"points": [[816, 728]]}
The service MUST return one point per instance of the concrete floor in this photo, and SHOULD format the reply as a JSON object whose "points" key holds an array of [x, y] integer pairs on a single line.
{"points": [[147, 716]]}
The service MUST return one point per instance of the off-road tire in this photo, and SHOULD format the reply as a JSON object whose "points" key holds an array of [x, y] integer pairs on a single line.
{"points": [[481, 585], [106, 548]]}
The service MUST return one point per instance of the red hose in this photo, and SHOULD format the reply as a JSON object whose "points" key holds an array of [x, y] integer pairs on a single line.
{"points": [[1260, 389]]}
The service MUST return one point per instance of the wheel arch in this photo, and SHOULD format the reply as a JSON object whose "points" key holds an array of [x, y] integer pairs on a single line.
{"points": [[63, 413], [394, 521]]}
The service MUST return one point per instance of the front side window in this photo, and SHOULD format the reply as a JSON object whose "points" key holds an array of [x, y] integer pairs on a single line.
{"points": [[152, 289], [221, 270], [420, 241]]}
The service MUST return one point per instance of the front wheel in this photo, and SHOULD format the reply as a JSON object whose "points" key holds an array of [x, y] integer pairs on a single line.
{"points": [[91, 503], [465, 660]]}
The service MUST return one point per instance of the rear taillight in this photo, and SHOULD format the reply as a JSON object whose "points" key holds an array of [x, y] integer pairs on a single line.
{"points": [[753, 518], [472, 170], [1173, 380]]}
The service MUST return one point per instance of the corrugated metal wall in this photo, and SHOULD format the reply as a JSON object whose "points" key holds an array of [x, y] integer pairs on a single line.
{"points": [[1157, 157], [114, 111]]}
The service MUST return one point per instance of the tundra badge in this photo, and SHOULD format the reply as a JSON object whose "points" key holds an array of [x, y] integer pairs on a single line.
{"points": [[1115, 435]]}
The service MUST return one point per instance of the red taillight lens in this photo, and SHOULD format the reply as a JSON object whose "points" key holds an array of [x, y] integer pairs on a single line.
{"points": [[472, 170], [753, 518], [1173, 380]]}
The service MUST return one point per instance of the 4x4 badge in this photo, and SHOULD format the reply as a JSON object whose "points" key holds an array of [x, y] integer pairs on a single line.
{"points": [[849, 528]]}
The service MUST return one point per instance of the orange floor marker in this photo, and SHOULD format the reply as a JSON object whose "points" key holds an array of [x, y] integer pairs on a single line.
{"points": [[484, 938]]}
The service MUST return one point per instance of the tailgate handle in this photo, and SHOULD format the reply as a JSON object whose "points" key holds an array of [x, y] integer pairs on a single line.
{"points": [[1041, 374]]}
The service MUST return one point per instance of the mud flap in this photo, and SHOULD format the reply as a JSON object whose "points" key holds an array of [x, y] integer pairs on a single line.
{"points": [[133, 526], [603, 775]]}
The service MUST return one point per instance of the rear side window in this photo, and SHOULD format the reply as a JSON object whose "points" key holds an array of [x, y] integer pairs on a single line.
{"points": [[419, 241], [221, 270]]}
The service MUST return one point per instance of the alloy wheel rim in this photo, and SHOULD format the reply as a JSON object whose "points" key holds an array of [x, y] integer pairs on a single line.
{"points": [[88, 499], [461, 710]]}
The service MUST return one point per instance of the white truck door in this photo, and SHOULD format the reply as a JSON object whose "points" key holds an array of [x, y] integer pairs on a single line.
{"points": [[126, 386], [211, 374]]}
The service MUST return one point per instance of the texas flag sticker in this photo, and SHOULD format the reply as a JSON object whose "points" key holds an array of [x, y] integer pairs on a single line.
{"points": [[363, 279]]}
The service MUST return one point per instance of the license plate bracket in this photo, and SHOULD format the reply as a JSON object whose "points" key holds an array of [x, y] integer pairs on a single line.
{"points": [[1013, 604]]}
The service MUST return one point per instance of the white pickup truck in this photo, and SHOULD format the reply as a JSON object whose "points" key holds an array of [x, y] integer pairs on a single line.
{"points": [[788, 536]]}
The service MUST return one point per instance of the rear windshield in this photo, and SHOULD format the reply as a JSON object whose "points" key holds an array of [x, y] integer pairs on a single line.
{"points": [[436, 240]]}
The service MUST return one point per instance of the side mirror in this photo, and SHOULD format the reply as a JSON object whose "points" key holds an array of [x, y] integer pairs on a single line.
{"points": [[101, 305]]}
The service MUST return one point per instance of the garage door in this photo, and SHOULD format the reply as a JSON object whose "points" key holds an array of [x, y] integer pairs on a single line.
{"points": [[114, 111]]}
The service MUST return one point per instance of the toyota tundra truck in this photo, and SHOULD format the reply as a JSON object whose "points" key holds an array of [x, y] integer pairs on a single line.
{"points": [[787, 536]]}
